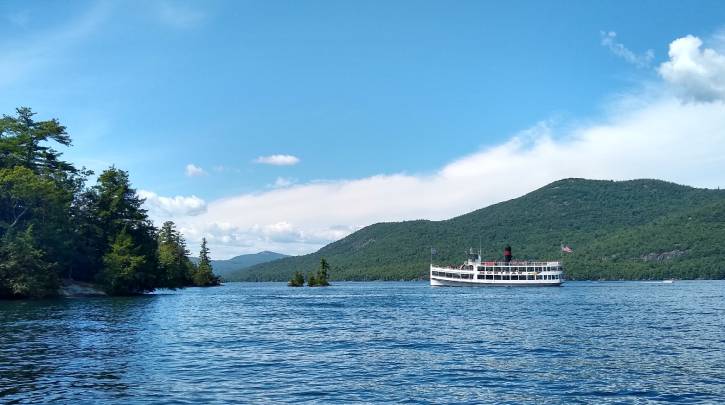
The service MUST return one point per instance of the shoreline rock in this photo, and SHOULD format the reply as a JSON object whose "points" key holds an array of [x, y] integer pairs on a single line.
{"points": [[77, 289]]}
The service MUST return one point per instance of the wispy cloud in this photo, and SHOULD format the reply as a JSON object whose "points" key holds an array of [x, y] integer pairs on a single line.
{"points": [[651, 134], [278, 160], [193, 170], [640, 60], [665, 139]]}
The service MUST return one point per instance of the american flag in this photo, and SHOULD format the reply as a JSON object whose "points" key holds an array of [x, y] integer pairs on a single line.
{"points": [[566, 249]]}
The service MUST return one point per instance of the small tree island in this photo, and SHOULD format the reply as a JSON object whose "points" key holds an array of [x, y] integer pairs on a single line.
{"points": [[317, 279], [298, 280]]}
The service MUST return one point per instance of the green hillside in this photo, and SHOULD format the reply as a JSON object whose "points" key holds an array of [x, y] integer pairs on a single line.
{"points": [[638, 229]]}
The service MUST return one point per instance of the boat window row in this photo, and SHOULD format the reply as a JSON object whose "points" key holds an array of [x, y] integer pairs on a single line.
{"points": [[509, 277], [453, 275], [517, 268]]}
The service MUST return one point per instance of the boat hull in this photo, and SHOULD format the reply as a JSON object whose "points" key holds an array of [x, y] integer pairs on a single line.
{"points": [[438, 282]]}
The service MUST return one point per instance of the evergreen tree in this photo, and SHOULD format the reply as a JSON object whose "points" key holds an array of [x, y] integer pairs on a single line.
{"points": [[117, 215], [204, 274], [91, 239], [125, 265], [37, 187], [24, 143], [24, 269], [33, 217], [298, 280], [173, 257], [323, 272], [26, 196], [320, 278], [52, 226]]}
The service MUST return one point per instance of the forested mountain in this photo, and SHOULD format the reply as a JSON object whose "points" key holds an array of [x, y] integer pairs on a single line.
{"points": [[230, 268], [638, 229]]}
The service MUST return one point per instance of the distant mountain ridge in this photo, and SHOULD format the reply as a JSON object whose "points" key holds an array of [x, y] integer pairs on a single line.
{"points": [[230, 267], [636, 229]]}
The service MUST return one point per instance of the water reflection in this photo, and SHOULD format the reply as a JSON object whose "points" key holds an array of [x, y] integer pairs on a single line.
{"points": [[52, 350]]}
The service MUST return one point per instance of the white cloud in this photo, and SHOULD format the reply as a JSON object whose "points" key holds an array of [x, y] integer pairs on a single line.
{"points": [[193, 170], [161, 208], [695, 74], [641, 60], [665, 139], [278, 160], [648, 134], [227, 239]]}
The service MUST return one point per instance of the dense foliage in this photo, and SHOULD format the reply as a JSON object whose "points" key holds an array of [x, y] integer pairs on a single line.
{"points": [[203, 274], [297, 280], [53, 227], [321, 276], [174, 257], [638, 229]]}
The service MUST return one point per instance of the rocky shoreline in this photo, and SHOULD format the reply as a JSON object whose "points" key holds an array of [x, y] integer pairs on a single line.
{"points": [[77, 289]]}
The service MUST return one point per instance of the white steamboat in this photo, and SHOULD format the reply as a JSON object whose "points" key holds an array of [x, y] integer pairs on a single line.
{"points": [[475, 272]]}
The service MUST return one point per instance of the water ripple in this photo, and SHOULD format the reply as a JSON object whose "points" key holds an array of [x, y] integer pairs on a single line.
{"points": [[370, 343]]}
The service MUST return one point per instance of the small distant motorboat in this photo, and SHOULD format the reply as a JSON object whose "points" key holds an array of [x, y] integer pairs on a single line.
{"points": [[670, 281]]}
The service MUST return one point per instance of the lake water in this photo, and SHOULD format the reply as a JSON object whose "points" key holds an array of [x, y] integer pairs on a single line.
{"points": [[585, 342]]}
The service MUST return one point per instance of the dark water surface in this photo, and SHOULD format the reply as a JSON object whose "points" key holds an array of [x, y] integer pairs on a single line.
{"points": [[618, 342]]}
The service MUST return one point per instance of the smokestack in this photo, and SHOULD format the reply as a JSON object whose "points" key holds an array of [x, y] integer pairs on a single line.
{"points": [[507, 254]]}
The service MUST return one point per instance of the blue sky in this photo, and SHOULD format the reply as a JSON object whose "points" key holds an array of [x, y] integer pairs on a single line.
{"points": [[351, 90]]}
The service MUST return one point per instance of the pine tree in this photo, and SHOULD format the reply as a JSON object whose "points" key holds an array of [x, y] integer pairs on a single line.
{"points": [[319, 279], [124, 268], [24, 269], [173, 257], [25, 143], [204, 274], [117, 213], [38, 187]]}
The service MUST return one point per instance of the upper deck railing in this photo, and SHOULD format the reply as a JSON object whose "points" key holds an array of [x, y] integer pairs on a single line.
{"points": [[519, 263], [511, 266]]}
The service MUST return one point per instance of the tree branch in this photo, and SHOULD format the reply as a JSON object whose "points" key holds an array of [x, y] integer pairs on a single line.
{"points": [[18, 218]]}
